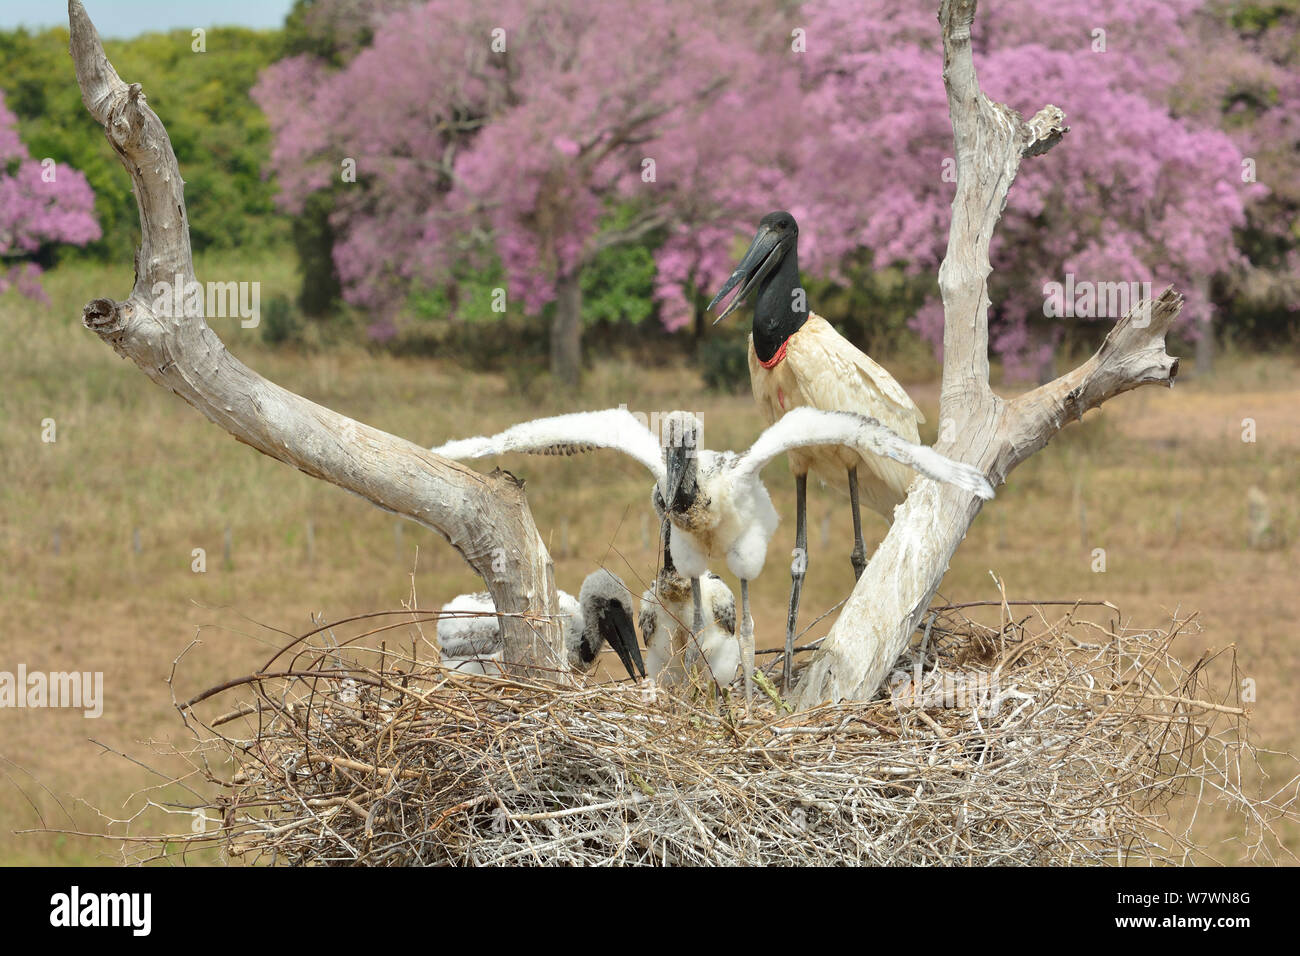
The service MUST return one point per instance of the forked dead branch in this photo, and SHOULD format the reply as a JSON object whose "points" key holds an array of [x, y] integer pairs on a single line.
{"points": [[484, 517], [975, 425]]}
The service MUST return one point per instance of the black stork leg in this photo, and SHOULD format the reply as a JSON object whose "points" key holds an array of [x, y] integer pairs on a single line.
{"points": [[798, 568], [746, 643], [859, 556], [697, 625]]}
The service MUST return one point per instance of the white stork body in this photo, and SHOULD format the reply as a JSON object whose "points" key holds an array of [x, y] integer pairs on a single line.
{"points": [[731, 521], [822, 369], [715, 501], [470, 638]]}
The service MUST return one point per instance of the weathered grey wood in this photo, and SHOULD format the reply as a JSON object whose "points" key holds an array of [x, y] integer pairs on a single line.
{"points": [[975, 425], [484, 517]]}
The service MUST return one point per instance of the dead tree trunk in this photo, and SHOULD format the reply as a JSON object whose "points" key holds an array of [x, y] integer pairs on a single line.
{"points": [[484, 517], [975, 425]]}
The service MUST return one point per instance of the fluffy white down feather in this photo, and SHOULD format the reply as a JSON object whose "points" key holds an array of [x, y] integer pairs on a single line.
{"points": [[666, 628], [470, 637]]}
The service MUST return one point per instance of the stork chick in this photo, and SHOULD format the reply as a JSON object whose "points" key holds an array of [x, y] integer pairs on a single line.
{"points": [[715, 501], [796, 359], [672, 646], [470, 637]]}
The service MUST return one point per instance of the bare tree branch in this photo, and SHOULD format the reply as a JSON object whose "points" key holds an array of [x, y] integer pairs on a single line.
{"points": [[634, 231], [975, 426], [484, 517]]}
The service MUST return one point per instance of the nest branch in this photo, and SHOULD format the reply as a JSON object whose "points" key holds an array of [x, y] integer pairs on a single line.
{"points": [[1031, 741]]}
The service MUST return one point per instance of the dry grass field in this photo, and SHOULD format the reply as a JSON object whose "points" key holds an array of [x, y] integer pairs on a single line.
{"points": [[97, 531]]}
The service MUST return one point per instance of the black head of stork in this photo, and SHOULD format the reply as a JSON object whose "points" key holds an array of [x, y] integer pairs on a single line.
{"points": [[606, 619], [771, 265]]}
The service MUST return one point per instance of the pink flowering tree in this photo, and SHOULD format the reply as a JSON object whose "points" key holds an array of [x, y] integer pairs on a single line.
{"points": [[513, 129], [1246, 79], [42, 203], [1135, 194]]}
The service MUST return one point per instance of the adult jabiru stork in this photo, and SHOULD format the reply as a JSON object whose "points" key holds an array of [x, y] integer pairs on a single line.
{"points": [[797, 360], [715, 501], [470, 637]]}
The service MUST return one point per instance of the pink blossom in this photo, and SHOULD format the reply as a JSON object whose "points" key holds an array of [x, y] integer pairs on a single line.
{"points": [[1134, 192], [642, 107], [41, 203]]}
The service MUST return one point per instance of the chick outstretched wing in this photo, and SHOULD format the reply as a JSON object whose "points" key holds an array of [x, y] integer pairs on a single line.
{"points": [[801, 427], [615, 428]]}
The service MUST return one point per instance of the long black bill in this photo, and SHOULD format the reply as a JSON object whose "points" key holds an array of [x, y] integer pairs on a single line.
{"points": [[676, 460], [764, 253], [616, 624], [665, 544]]}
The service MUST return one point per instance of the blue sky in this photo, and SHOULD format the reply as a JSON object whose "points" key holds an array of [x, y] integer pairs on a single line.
{"points": [[120, 19]]}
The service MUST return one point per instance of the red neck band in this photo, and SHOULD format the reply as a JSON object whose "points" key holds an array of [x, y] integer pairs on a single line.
{"points": [[775, 360]]}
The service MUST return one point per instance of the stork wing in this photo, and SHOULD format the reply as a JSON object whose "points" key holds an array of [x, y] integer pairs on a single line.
{"points": [[614, 428], [804, 426], [837, 376]]}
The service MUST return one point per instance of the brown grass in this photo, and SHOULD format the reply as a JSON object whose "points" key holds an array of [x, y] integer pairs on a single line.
{"points": [[1157, 478]]}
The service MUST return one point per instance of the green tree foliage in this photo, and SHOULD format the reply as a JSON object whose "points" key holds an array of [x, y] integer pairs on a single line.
{"points": [[616, 288], [618, 285], [461, 317], [333, 30], [220, 136]]}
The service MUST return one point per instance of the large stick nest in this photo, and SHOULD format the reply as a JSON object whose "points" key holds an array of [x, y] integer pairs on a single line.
{"points": [[1028, 742]]}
